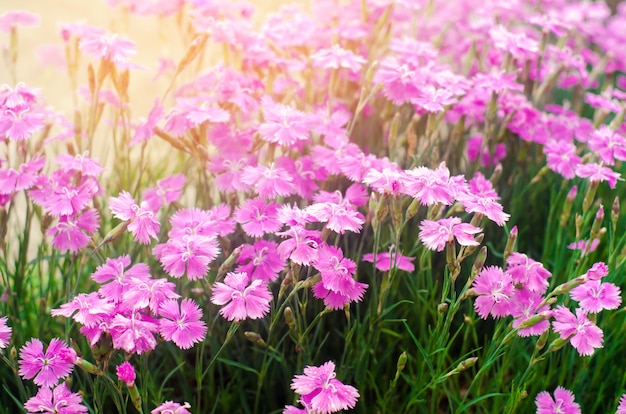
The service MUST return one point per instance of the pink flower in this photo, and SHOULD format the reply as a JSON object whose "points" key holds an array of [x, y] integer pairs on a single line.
{"points": [[486, 206], [436, 234], [148, 293], [302, 245], [321, 392], [142, 221], [429, 186], [126, 373], [46, 368], [166, 191], [113, 271], [5, 333], [563, 402], [337, 57], [477, 148], [584, 245], [134, 334], [190, 254], [597, 271], [15, 18], [518, 44], [524, 306], [386, 261], [258, 217], [338, 217], [597, 172], [107, 46], [183, 325], [269, 182], [433, 99], [12, 180], [621, 408], [608, 144], [243, 298], [146, 129], [337, 286], [528, 272], [261, 260], [583, 334], [170, 407], [594, 296], [495, 289], [20, 123], [74, 232], [59, 400], [283, 124], [81, 162], [387, 181], [88, 309], [399, 80]]}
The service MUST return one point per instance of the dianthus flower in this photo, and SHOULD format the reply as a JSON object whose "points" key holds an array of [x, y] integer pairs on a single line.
{"points": [[81, 162], [594, 296], [134, 334], [269, 182], [385, 261], [321, 392], [181, 325], [150, 293], [88, 309], [258, 217], [243, 298], [15, 18], [170, 407], [597, 172], [338, 217], [495, 289], [436, 234], [597, 271], [283, 124], [563, 402], [46, 368], [524, 305], [301, 246], [429, 186], [74, 232], [165, 192], [142, 221], [261, 260], [59, 400], [5, 333], [24, 178], [107, 46], [621, 408], [337, 287], [337, 57], [528, 272], [582, 333], [190, 254], [113, 271]]}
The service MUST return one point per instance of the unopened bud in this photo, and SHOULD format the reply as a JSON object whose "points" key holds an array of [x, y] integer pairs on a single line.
{"points": [[255, 338], [229, 262], [510, 243], [597, 223], [543, 339], [590, 195], [289, 319], [535, 319], [557, 344], [442, 308], [567, 206], [615, 212], [401, 362]]}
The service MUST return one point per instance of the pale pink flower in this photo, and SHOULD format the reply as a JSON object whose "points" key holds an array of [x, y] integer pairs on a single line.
{"points": [[597, 172], [487, 206], [518, 44], [321, 392], [81, 162], [74, 232], [170, 407], [561, 157], [430, 187], [301, 246], [585, 245], [14, 18], [495, 289], [147, 127], [20, 123], [385, 261], [436, 234], [59, 400], [268, 182], [87, 309], [5, 333], [337, 57], [399, 80], [582, 333], [563, 402], [258, 217], [283, 124], [243, 298], [165, 192], [387, 181], [433, 99], [338, 217], [594, 296], [182, 325], [190, 254], [142, 221], [46, 368], [24, 178], [107, 46]]}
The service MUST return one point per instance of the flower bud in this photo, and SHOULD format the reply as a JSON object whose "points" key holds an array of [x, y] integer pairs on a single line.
{"points": [[510, 243], [567, 206]]}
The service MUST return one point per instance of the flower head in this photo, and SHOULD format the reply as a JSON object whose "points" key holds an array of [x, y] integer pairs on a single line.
{"points": [[126, 373], [5, 333], [46, 368], [436, 234], [59, 400], [243, 298], [321, 392], [563, 402], [495, 289], [181, 325], [582, 333], [170, 407], [594, 296]]}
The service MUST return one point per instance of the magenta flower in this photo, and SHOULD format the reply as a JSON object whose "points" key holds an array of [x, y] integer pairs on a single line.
{"points": [[190, 254], [12, 181], [302, 245], [387, 181], [20, 123], [59, 400], [142, 221], [337, 287], [495, 289], [258, 217], [46, 368], [74, 232], [594, 296], [268, 182], [561, 157], [170, 407], [5, 333], [88, 309], [386, 261], [608, 144], [563, 402], [621, 408], [436, 234], [181, 325], [524, 305], [126, 373], [597, 172], [261, 260], [430, 186], [487, 206], [166, 192], [321, 392], [583, 334], [338, 217], [283, 124], [243, 298], [528, 272], [149, 293], [134, 334], [113, 271], [597, 271]]}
